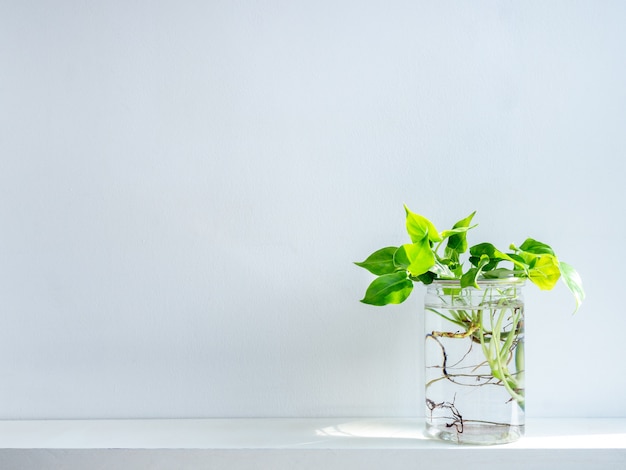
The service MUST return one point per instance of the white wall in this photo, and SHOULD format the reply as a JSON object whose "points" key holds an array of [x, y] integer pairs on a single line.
{"points": [[184, 186]]}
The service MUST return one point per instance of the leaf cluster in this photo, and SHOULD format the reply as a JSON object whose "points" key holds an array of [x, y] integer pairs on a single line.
{"points": [[434, 255]]}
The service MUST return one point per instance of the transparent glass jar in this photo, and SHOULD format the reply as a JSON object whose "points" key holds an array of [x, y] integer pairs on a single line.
{"points": [[474, 361]]}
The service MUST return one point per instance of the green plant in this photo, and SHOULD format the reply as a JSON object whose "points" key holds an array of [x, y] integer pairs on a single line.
{"points": [[398, 268], [495, 325]]}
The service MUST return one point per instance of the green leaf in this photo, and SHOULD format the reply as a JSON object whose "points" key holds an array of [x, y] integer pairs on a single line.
{"points": [[495, 255], [535, 247], [477, 253], [419, 227], [574, 283], [427, 278], [520, 261], [484, 249], [469, 278], [458, 235], [380, 262], [416, 258], [388, 289]]}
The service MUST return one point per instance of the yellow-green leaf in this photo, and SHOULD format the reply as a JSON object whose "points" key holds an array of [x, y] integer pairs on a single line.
{"points": [[417, 258], [458, 237], [545, 272], [419, 227]]}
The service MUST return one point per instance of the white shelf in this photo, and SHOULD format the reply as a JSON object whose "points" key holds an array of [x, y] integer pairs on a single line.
{"points": [[275, 444]]}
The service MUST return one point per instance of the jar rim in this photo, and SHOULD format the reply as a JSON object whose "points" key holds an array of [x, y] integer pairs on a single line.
{"points": [[482, 282]]}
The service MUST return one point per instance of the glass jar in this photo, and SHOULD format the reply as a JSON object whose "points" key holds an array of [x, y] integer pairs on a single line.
{"points": [[474, 361]]}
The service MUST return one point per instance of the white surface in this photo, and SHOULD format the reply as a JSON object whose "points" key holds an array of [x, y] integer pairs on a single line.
{"points": [[304, 443], [185, 184], [291, 433]]}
